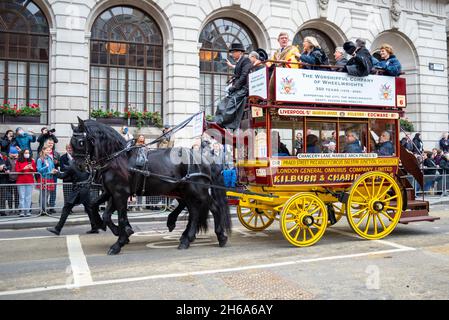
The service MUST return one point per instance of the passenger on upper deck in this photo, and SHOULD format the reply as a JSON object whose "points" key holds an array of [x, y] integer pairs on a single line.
{"points": [[361, 63], [352, 143], [286, 52], [385, 146], [389, 63], [313, 54], [340, 59], [257, 58]]}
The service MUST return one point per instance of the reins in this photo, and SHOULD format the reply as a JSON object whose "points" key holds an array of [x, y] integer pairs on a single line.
{"points": [[97, 165]]}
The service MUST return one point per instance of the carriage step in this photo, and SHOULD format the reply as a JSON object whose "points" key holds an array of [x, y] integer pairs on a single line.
{"points": [[415, 213], [407, 220], [415, 204], [412, 204]]}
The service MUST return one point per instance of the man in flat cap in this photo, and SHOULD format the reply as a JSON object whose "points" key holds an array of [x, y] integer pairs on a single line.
{"points": [[230, 109]]}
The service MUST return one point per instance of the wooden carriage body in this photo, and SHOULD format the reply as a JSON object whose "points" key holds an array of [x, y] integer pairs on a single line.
{"points": [[282, 110], [339, 169]]}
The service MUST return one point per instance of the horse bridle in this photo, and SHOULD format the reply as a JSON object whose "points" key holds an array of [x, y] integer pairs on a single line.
{"points": [[81, 140], [81, 143]]}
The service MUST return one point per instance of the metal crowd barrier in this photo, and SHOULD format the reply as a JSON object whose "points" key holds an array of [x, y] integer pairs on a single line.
{"points": [[9, 196], [10, 205], [434, 184], [140, 203]]}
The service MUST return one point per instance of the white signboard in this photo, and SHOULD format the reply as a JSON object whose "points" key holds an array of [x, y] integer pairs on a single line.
{"points": [[198, 123], [258, 84], [310, 86]]}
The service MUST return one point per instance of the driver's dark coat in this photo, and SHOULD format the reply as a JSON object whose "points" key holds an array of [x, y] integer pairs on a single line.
{"points": [[80, 191], [241, 72], [361, 64]]}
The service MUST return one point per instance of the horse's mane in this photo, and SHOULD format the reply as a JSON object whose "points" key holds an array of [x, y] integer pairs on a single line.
{"points": [[107, 141]]}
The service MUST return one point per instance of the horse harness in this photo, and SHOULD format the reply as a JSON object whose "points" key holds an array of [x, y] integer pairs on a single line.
{"points": [[142, 167], [92, 165]]}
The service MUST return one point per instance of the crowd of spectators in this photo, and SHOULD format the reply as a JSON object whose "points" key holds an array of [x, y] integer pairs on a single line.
{"points": [[21, 171], [434, 163]]}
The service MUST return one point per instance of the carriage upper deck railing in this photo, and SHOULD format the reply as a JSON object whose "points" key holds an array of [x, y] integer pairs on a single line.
{"points": [[318, 87]]}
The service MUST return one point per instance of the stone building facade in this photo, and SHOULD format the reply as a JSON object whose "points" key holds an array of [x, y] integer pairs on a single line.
{"points": [[175, 55]]}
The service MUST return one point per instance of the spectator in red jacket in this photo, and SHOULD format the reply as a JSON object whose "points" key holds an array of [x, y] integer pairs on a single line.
{"points": [[25, 166]]}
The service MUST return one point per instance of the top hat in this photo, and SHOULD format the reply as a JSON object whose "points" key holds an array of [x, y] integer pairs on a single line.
{"points": [[263, 56], [349, 47], [237, 47]]}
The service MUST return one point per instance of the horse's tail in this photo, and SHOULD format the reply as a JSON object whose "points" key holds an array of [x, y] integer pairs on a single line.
{"points": [[203, 221], [219, 200]]}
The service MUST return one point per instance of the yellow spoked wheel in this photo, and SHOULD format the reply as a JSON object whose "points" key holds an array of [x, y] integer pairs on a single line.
{"points": [[303, 219], [339, 211], [374, 205], [254, 219]]}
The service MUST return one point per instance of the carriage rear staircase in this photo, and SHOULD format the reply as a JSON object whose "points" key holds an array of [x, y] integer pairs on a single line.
{"points": [[416, 210]]}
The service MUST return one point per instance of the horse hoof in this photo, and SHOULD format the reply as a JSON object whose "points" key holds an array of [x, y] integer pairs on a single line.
{"points": [[222, 242], [171, 227], [114, 250], [183, 246]]}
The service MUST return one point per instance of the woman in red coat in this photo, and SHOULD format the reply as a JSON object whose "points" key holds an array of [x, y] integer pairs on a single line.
{"points": [[25, 167]]}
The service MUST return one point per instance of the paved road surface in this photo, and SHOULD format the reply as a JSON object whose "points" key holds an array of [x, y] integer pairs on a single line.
{"points": [[412, 263]]}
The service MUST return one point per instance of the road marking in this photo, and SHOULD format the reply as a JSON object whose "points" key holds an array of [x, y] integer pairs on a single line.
{"points": [[28, 238], [388, 243], [203, 272], [80, 268]]}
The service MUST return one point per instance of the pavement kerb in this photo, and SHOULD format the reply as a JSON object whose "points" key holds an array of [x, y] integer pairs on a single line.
{"points": [[80, 219]]}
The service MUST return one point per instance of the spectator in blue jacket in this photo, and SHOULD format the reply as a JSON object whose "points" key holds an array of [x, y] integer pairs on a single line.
{"points": [[47, 170], [389, 63], [23, 139], [313, 54]]}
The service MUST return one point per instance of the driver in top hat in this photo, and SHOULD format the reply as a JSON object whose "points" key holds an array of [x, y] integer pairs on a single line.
{"points": [[230, 109], [242, 68]]}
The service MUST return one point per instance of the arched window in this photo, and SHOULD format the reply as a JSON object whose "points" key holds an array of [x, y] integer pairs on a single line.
{"points": [[325, 42], [216, 38], [126, 61], [24, 47]]}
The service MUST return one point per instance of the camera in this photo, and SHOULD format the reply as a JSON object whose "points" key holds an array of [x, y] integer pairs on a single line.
{"points": [[52, 130]]}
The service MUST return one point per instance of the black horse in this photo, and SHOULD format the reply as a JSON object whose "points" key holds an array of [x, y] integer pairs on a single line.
{"points": [[174, 172]]}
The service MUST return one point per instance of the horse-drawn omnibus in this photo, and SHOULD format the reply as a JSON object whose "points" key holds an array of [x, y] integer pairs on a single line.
{"points": [[314, 146]]}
